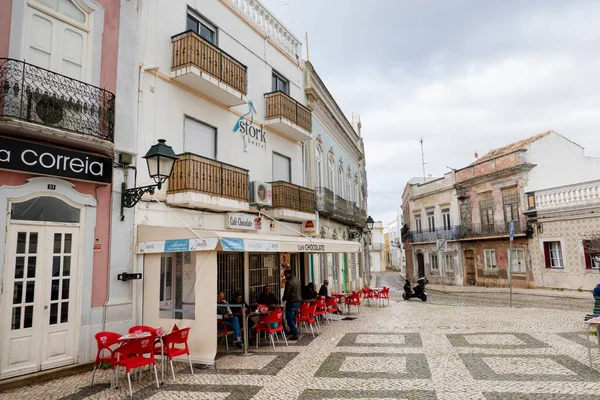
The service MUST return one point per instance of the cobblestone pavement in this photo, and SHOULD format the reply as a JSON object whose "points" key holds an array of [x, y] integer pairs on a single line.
{"points": [[407, 350], [392, 280]]}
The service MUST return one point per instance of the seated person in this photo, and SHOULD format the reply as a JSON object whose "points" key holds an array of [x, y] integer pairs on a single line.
{"points": [[238, 298], [309, 292], [266, 297], [231, 322], [324, 290], [597, 292]]}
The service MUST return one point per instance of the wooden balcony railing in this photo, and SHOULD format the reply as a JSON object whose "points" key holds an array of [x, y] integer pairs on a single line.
{"points": [[190, 49], [293, 197], [193, 173], [280, 105]]}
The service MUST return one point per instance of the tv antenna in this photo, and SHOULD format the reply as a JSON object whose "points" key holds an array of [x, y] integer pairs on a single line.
{"points": [[422, 158]]}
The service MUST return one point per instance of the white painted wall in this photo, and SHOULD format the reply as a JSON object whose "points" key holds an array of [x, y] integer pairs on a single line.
{"points": [[164, 104], [559, 162]]}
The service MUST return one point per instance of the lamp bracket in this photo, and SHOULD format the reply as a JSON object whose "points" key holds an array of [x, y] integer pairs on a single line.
{"points": [[130, 197]]}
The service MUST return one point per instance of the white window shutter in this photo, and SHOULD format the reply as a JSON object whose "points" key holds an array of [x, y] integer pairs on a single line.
{"points": [[281, 168], [199, 138]]}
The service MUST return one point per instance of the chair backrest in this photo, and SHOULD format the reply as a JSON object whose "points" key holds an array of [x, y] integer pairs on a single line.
{"points": [[320, 304], [105, 340], [331, 302], [304, 307], [136, 348], [142, 328], [175, 328], [177, 337], [275, 316], [221, 327]]}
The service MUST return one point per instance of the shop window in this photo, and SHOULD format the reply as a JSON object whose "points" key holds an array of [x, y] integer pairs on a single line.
{"points": [[44, 208], [177, 294], [553, 255], [264, 270]]}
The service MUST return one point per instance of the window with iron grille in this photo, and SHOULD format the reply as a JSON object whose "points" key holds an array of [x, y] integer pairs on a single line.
{"points": [[230, 273], [487, 212], [264, 270], [510, 202]]}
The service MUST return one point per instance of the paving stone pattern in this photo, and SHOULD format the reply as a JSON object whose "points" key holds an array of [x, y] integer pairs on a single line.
{"points": [[407, 350]]}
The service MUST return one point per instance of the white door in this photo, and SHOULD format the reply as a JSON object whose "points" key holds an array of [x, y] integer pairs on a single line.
{"points": [[39, 323], [56, 38]]}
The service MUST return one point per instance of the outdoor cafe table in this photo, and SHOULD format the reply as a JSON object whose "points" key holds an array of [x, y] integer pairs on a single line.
{"points": [[160, 333], [591, 322]]}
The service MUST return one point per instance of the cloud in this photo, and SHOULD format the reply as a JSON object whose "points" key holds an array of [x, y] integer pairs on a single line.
{"points": [[465, 75]]}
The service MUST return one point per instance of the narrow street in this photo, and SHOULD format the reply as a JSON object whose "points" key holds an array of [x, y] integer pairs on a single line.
{"points": [[443, 349]]}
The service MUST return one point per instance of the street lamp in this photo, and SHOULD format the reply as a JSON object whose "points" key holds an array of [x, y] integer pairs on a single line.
{"points": [[160, 160], [370, 223]]}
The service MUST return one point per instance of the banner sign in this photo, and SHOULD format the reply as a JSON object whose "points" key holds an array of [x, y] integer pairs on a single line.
{"points": [[46, 160], [246, 222], [251, 245], [176, 246]]}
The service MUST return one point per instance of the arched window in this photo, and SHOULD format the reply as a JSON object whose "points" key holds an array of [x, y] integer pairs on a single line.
{"points": [[330, 173], [44, 208], [340, 187], [348, 186], [319, 167]]}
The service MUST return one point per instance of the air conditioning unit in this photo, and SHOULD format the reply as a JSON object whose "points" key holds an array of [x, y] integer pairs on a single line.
{"points": [[261, 193]]}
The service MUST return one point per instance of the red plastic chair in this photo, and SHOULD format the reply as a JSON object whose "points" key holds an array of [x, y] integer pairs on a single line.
{"points": [[178, 337], [105, 340], [133, 354], [369, 294], [384, 294], [320, 309], [271, 324], [306, 314], [142, 328], [332, 306], [222, 330], [353, 300]]}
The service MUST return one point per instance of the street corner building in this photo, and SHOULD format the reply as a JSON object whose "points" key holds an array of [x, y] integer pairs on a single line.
{"points": [[530, 204]]}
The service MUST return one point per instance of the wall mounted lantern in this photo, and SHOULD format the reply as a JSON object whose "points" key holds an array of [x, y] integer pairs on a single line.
{"points": [[160, 160]]}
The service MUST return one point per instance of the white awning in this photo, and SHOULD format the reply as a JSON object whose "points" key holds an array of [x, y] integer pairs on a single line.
{"points": [[238, 241]]}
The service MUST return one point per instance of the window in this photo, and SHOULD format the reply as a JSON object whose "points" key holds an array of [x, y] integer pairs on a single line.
{"points": [[199, 138], [318, 168], [279, 83], [340, 187], [418, 223], [356, 193], [449, 262], [330, 173], [431, 220], [466, 214], [44, 208], [230, 273], [487, 212], [446, 218], [518, 261], [282, 168], [206, 30], [510, 202], [553, 255], [591, 254], [433, 261], [491, 265], [264, 270], [177, 294], [348, 186]]}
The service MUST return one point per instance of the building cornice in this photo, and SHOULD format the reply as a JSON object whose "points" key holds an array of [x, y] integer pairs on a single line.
{"points": [[320, 112]]}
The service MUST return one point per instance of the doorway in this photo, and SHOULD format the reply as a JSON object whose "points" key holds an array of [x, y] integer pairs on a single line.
{"points": [[421, 265], [470, 277]]}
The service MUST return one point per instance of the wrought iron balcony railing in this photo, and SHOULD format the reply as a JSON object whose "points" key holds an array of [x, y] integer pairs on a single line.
{"points": [[191, 49], [40, 96], [338, 208], [432, 236], [497, 228], [280, 104], [193, 173], [293, 197]]}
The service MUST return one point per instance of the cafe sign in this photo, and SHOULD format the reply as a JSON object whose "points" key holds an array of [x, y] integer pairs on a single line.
{"points": [[34, 158], [245, 222]]}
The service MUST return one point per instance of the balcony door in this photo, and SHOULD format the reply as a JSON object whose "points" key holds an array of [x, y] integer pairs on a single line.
{"points": [[56, 37]]}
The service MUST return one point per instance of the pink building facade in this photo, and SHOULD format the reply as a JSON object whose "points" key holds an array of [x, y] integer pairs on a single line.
{"points": [[58, 79]]}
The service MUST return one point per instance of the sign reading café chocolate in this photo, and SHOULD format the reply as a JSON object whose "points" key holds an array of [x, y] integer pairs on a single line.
{"points": [[39, 159]]}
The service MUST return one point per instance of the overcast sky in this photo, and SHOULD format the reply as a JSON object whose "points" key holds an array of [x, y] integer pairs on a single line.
{"points": [[466, 75]]}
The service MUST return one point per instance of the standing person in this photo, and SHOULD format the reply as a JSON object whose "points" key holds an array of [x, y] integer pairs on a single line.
{"points": [[231, 322], [291, 296], [324, 290]]}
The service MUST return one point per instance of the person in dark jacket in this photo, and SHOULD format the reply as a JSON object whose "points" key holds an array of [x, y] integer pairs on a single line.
{"points": [[324, 290], [309, 292], [238, 298], [292, 297], [597, 292], [266, 297]]}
